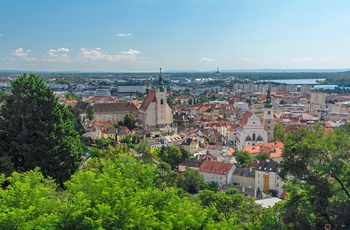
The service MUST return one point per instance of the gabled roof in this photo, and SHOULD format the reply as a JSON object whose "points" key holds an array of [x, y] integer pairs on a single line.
{"points": [[151, 97], [267, 166], [114, 107], [245, 118], [216, 167], [245, 172]]}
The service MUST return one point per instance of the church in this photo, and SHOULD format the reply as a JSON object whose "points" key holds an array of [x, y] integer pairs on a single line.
{"points": [[155, 111], [252, 130]]}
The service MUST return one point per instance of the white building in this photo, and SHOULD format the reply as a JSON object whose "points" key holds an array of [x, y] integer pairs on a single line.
{"points": [[155, 111], [218, 172], [250, 131], [266, 177]]}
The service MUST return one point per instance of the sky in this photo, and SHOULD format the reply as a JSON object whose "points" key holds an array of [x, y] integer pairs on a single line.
{"points": [[144, 35]]}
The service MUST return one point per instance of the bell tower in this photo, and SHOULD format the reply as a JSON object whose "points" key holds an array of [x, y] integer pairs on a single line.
{"points": [[268, 115]]}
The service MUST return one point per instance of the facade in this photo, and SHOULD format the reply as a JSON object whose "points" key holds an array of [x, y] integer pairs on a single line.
{"points": [[113, 111], [191, 145], [318, 101], [250, 131], [244, 178], [266, 177], [218, 172], [155, 111]]}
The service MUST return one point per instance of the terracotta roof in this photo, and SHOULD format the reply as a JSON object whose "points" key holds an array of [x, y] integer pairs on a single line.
{"points": [[216, 167], [245, 118], [151, 97], [273, 149], [114, 107]]}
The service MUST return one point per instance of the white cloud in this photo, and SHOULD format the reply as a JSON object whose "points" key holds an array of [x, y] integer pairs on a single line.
{"points": [[123, 35], [246, 59], [99, 54], [205, 59], [61, 52], [1, 35], [20, 53], [131, 52]]}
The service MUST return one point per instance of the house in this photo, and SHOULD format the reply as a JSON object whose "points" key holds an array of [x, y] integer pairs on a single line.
{"points": [[195, 164], [272, 149], [266, 177], [191, 145], [244, 178], [218, 172], [173, 140], [113, 111], [109, 133], [122, 132]]}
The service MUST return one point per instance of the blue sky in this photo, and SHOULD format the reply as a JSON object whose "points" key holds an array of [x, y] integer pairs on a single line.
{"points": [[137, 36]]}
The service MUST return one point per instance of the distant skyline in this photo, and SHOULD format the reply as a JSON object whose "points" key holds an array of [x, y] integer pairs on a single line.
{"points": [[141, 36]]}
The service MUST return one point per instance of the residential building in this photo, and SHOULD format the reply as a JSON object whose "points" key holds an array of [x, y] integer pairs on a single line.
{"points": [[191, 145], [218, 172], [317, 101], [266, 177], [113, 111]]}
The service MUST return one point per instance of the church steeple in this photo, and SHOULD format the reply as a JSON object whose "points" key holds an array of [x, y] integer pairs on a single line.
{"points": [[161, 84], [268, 103]]}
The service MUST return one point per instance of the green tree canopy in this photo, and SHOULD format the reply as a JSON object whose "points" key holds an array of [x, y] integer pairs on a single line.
{"points": [[243, 158], [278, 132], [191, 181], [37, 131], [316, 168], [129, 121]]}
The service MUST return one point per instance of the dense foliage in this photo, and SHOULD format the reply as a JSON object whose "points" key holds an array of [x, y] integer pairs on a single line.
{"points": [[316, 169], [117, 191], [37, 131]]}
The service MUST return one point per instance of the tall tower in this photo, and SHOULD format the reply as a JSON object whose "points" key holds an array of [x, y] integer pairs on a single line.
{"points": [[160, 84], [268, 115], [163, 114]]}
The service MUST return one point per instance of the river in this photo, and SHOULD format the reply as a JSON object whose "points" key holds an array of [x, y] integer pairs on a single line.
{"points": [[300, 82]]}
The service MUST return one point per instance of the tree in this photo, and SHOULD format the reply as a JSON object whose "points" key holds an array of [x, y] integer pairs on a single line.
{"points": [[278, 132], [90, 113], [262, 156], [71, 96], [243, 158], [37, 131], [316, 169], [191, 181], [129, 121], [174, 156]]}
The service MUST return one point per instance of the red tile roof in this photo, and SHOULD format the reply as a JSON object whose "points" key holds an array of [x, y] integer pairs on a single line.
{"points": [[245, 118], [216, 167], [151, 97]]}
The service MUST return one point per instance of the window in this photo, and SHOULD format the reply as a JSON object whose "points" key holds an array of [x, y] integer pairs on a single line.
{"points": [[268, 122], [253, 136], [268, 112], [277, 185], [161, 101]]}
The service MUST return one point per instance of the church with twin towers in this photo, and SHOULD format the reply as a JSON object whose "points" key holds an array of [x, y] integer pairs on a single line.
{"points": [[155, 111]]}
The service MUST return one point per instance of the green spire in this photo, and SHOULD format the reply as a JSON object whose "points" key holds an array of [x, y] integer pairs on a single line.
{"points": [[268, 103], [161, 84]]}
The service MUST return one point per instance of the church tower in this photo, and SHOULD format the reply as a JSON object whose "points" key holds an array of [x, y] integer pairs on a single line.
{"points": [[268, 115], [162, 112]]}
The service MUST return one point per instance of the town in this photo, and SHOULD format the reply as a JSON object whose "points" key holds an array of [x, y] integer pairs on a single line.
{"points": [[232, 134]]}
